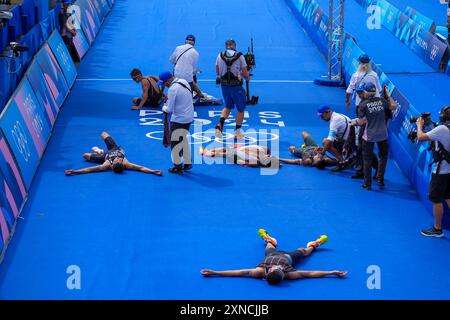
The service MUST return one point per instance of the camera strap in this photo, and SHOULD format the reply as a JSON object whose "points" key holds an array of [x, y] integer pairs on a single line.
{"points": [[184, 86], [179, 57]]}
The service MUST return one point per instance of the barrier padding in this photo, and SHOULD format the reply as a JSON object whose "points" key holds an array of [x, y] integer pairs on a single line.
{"points": [[423, 43], [27, 120], [63, 57]]}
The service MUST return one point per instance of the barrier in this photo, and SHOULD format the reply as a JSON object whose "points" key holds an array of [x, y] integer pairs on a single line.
{"points": [[34, 39], [313, 20], [43, 92], [25, 127], [412, 33], [29, 116], [63, 57], [426, 23], [90, 22], [81, 44], [12, 192], [102, 8], [53, 74]]}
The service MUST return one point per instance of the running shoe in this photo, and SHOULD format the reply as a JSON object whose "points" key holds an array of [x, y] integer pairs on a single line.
{"points": [[433, 232], [238, 135], [97, 150], [265, 236], [318, 242], [219, 131]]}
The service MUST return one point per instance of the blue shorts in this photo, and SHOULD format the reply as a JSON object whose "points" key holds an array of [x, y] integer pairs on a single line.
{"points": [[234, 96]]}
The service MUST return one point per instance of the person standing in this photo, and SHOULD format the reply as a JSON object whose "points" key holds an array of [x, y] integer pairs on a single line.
{"points": [[440, 181], [372, 113], [181, 108], [185, 59], [230, 68], [363, 75]]}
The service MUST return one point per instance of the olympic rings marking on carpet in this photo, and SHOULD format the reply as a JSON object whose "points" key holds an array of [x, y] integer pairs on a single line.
{"points": [[204, 137]]}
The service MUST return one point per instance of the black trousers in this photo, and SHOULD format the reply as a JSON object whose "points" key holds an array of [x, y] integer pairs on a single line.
{"points": [[359, 153], [179, 144], [383, 148]]}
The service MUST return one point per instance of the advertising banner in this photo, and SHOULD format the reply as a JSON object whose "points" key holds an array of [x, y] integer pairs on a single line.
{"points": [[42, 92], [90, 22], [63, 57], [53, 74]]}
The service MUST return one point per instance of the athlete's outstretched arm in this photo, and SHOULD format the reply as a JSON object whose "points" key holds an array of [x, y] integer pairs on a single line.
{"points": [[103, 167], [314, 274], [292, 161], [135, 167], [249, 273]]}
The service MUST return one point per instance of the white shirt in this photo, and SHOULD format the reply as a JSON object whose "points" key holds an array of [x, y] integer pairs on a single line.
{"points": [[441, 134], [186, 67], [179, 102], [339, 127], [360, 77]]}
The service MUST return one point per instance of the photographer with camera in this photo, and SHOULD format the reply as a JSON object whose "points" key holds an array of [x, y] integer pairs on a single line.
{"points": [[68, 31], [439, 190], [230, 68], [372, 113]]}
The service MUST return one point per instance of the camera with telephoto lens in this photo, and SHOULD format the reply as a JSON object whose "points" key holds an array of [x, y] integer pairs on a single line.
{"points": [[250, 58], [16, 49], [427, 123]]}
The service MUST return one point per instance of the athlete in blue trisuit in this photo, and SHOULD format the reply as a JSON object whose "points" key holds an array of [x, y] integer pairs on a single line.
{"points": [[278, 265], [114, 159]]}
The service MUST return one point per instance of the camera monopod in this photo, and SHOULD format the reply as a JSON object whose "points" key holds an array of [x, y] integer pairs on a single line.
{"points": [[251, 64]]}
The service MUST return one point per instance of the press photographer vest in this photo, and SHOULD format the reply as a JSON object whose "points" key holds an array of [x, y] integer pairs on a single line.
{"points": [[229, 79], [439, 153]]}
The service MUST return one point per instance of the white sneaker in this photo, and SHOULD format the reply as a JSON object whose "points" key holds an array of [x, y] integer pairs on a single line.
{"points": [[238, 135], [98, 150]]}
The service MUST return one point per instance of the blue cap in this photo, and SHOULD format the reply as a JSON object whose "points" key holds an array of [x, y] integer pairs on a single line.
{"points": [[322, 110], [67, 1], [165, 76], [367, 87], [190, 38], [364, 58]]}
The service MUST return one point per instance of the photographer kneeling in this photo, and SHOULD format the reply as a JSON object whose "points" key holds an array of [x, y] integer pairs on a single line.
{"points": [[440, 182]]}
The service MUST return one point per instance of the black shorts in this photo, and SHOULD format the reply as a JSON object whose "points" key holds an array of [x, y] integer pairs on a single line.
{"points": [[295, 256], [111, 144], [439, 188]]}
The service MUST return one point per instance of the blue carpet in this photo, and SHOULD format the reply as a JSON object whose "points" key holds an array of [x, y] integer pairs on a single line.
{"points": [[138, 236]]}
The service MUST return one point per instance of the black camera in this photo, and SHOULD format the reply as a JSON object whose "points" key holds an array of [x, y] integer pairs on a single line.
{"points": [[427, 123], [16, 49], [251, 64], [250, 58]]}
